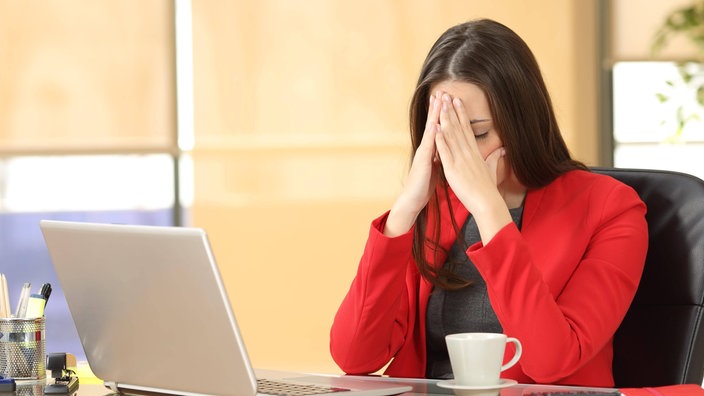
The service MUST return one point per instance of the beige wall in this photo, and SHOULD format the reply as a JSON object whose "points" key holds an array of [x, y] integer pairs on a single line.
{"points": [[300, 120], [81, 75], [633, 32]]}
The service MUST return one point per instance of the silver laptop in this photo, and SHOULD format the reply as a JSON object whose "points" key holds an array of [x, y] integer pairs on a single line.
{"points": [[153, 314]]}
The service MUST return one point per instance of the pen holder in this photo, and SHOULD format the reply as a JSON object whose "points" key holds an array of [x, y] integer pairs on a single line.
{"points": [[23, 348], [30, 388]]}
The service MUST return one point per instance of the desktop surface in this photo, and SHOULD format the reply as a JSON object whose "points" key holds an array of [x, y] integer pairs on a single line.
{"points": [[517, 390], [420, 386]]}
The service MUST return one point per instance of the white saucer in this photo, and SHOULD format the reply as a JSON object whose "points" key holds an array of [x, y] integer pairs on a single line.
{"points": [[450, 384]]}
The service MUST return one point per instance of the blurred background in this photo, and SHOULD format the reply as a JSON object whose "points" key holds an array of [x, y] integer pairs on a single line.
{"points": [[280, 127]]}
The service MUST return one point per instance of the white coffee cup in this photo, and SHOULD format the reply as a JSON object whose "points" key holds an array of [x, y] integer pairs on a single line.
{"points": [[476, 357]]}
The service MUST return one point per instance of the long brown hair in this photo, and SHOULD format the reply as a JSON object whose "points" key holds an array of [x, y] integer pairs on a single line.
{"points": [[494, 58]]}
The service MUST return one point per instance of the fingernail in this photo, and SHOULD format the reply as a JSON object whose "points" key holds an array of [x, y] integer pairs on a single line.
{"points": [[457, 102], [503, 152]]}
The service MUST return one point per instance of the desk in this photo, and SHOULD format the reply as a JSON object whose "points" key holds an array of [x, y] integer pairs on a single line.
{"points": [[36, 388], [420, 387]]}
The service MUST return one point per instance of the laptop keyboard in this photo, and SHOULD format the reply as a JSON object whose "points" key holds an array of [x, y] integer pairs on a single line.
{"points": [[281, 388]]}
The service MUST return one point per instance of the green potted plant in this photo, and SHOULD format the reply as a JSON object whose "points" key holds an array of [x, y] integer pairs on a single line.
{"points": [[688, 91]]}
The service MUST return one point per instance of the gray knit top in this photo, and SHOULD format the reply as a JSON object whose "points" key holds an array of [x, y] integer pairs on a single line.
{"points": [[461, 311]]}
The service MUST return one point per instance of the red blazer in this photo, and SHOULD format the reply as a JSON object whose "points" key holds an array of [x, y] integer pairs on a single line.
{"points": [[561, 285]]}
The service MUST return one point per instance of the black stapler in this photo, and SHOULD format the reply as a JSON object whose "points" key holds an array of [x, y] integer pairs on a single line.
{"points": [[61, 366]]}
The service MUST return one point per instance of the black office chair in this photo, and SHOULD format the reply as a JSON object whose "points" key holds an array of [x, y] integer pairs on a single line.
{"points": [[661, 340]]}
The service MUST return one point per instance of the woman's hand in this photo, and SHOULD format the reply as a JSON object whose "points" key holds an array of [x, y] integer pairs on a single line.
{"points": [[471, 177], [421, 180]]}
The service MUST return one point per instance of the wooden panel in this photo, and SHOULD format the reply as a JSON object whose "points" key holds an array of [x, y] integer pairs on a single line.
{"points": [[286, 268], [86, 75], [336, 68]]}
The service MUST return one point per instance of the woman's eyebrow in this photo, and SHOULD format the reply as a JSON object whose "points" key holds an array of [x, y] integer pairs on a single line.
{"points": [[472, 122]]}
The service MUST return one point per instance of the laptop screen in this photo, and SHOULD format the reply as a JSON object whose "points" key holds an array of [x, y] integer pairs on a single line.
{"points": [[150, 307]]}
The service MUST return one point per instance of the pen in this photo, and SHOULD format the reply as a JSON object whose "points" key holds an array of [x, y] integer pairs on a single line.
{"points": [[46, 291], [22, 304]]}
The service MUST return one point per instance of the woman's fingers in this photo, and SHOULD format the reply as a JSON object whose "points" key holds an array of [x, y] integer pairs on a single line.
{"points": [[442, 148], [456, 125], [465, 124], [426, 149], [433, 116], [456, 130], [421, 177], [467, 171], [449, 124], [433, 111], [492, 162]]}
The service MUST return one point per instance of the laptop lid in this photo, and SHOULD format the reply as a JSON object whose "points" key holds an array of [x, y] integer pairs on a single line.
{"points": [[150, 307]]}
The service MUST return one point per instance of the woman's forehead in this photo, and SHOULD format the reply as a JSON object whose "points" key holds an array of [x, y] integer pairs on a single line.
{"points": [[473, 98]]}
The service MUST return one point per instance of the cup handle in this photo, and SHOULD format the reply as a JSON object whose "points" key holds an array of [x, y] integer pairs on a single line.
{"points": [[516, 356]]}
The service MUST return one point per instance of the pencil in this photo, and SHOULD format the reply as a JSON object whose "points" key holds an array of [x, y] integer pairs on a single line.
{"points": [[5, 311]]}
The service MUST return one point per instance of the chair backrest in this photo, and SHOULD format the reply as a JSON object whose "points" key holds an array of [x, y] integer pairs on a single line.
{"points": [[661, 339]]}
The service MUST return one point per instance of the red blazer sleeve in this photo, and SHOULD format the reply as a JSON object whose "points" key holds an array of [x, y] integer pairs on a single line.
{"points": [[373, 320], [563, 285]]}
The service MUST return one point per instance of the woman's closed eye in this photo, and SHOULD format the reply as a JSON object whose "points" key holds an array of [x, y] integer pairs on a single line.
{"points": [[481, 127], [481, 135]]}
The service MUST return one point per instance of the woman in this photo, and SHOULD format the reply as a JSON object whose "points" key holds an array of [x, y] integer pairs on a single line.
{"points": [[497, 229]]}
